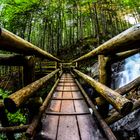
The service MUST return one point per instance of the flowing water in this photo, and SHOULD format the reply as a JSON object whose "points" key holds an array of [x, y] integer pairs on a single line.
{"points": [[131, 70], [123, 73]]}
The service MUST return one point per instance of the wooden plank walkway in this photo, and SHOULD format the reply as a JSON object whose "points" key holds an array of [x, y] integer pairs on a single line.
{"points": [[68, 117]]}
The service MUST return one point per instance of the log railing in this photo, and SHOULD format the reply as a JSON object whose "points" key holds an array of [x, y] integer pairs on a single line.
{"points": [[119, 102], [15, 100], [116, 49], [11, 42], [127, 40]]}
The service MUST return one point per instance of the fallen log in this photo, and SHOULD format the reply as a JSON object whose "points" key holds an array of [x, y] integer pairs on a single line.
{"points": [[119, 102], [123, 90], [127, 40], [14, 129], [106, 129], [35, 122], [15, 100], [116, 116], [13, 43]]}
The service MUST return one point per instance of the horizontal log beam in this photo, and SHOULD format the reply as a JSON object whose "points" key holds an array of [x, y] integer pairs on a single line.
{"points": [[123, 90], [14, 129], [12, 60], [119, 102], [121, 56], [13, 43], [15, 100], [129, 39], [116, 116], [35, 122]]}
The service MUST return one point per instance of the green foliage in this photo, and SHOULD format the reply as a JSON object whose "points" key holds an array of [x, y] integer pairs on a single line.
{"points": [[4, 93], [54, 24], [16, 118]]}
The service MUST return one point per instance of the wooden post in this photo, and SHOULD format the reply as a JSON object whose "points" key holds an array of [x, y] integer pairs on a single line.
{"points": [[15, 100], [119, 102], [29, 70], [104, 78]]}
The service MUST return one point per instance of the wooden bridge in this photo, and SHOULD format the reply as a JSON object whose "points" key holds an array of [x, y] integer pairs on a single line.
{"points": [[67, 112]]}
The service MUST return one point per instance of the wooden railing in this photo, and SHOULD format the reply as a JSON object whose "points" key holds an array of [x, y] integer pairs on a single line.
{"points": [[116, 49]]}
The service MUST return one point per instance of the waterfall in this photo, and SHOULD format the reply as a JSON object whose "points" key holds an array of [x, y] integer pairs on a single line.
{"points": [[131, 70], [126, 71]]}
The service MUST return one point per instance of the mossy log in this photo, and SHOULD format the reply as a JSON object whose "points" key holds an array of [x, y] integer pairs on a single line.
{"points": [[115, 116], [15, 100], [123, 90], [123, 55], [13, 43], [14, 129], [35, 122], [119, 102], [104, 78], [127, 40]]}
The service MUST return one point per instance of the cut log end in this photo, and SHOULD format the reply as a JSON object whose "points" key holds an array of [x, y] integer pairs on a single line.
{"points": [[127, 107], [10, 105]]}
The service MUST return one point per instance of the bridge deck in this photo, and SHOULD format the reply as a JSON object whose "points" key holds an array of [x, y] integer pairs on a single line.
{"points": [[68, 117]]}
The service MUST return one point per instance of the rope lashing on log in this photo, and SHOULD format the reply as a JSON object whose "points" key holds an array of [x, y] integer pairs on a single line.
{"points": [[15, 100], [127, 40], [13, 43], [119, 102]]}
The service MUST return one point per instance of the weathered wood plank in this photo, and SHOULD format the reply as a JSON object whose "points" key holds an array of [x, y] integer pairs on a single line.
{"points": [[68, 129], [89, 129]]}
